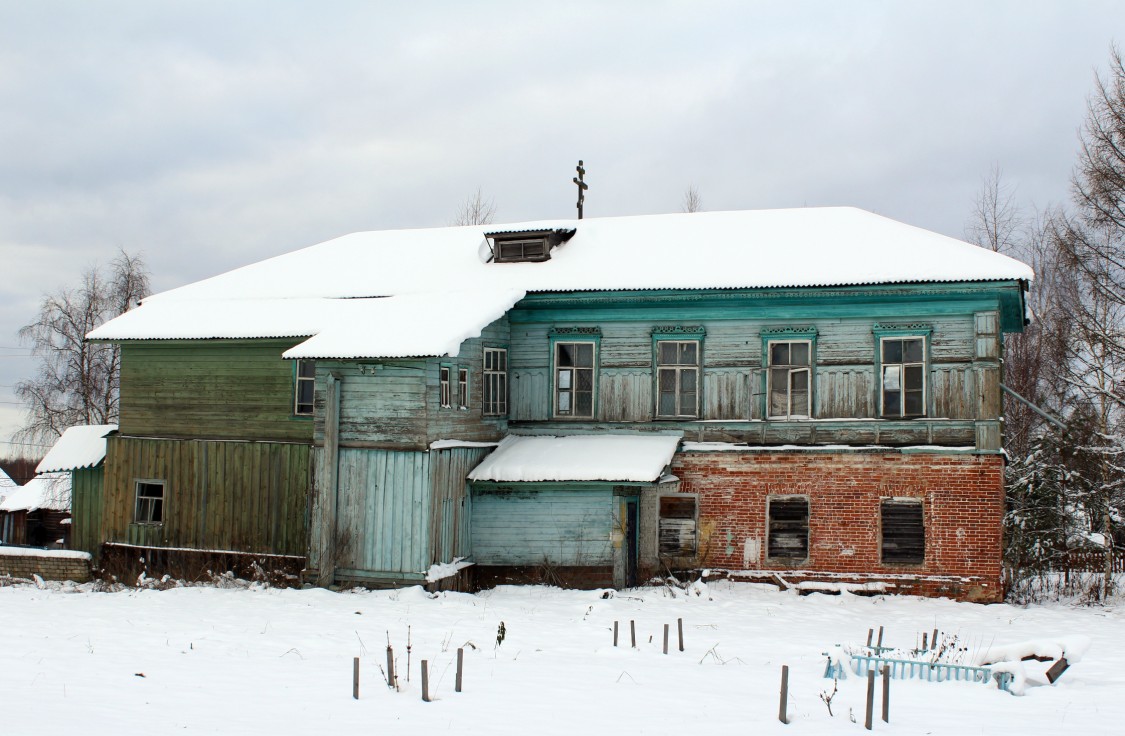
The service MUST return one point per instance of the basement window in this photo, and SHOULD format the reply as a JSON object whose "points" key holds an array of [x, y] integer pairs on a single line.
{"points": [[788, 532], [678, 537], [150, 502], [903, 531]]}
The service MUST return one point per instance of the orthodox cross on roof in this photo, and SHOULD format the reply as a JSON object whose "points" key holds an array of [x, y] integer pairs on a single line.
{"points": [[582, 187]]}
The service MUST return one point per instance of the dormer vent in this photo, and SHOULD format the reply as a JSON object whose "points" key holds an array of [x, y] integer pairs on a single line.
{"points": [[527, 246]]}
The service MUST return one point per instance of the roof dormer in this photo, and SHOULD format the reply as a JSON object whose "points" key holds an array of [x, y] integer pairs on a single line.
{"points": [[526, 246]]}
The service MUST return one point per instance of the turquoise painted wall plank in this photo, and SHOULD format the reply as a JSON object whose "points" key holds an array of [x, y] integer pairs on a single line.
{"points": [[559, 526]]}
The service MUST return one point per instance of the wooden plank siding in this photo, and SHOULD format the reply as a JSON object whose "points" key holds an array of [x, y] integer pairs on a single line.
{"points": [[451, 514], [564, 526], [86, 499], [218, 495], [213, 389]]}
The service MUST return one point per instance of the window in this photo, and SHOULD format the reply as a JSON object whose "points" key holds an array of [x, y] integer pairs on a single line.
{"points": [[904, 535], [574, 379], [788, 389], [677, 378], [677, 526], [150, 502], [463, 388], [514, 251], [495, 382], [303, 387], [903, 366], [788, 532], [444, 387]]}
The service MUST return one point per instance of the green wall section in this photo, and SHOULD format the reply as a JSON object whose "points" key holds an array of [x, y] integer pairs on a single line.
{"points": [[86, 502], [215, 389], [239, 496]]}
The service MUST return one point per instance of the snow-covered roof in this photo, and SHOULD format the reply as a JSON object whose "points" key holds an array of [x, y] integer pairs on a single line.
{"points": [[7, 485], [50, 491], [79, 447], [330, 286], [597, 457]]}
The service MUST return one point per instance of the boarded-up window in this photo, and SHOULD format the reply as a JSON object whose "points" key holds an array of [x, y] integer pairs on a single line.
{"points": [[788, 528], [677, 526], [904, 535]]}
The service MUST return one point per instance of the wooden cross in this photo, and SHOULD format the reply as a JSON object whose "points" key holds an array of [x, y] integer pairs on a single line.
{"points": [[582, 187]]}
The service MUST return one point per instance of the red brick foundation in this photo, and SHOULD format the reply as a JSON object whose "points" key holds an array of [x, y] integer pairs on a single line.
{"points": [[963, 507]]}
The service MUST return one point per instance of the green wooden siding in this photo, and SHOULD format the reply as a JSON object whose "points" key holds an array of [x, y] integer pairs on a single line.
{"points": [[86, 509], [559, 526], [214, 389], [450, 524], [218, 495]]}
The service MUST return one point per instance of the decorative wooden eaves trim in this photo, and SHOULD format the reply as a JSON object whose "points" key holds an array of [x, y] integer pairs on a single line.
{"points": [[773, 333], [574, 331], [911, 328], [679, 331]]}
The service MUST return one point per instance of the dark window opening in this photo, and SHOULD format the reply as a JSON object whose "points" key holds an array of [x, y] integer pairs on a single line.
{"points": [[444, 389], [150, 502], [303, 387], [904, 377], [788, 528], [904, 534]]}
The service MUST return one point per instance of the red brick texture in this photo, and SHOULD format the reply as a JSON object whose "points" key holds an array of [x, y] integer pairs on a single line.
{"points": [[963, 507]]}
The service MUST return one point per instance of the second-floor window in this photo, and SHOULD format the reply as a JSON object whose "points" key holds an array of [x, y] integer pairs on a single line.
{"points": [[574, 379], [789, 375], [303, 385], [677, 378], [495, 389], [463, 388], [444, 388], [903, 366]]}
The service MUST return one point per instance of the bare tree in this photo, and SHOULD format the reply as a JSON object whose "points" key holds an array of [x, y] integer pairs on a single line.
{"points": [[475, 210], [692, 202], [996, 219], [77, 382]]}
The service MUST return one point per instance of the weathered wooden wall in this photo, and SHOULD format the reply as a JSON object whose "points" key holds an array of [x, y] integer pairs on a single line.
{"points": [[214, 389], [451, 515], [219, 495], [566, 526], [86, 496]]}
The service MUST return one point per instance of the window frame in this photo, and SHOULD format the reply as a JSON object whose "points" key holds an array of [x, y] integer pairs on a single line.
{"points": [[771, 501], [891, 502], [660, 551], [298, 382], [531, 250], [154, 500], [494, 381], [445, 395], [772, 336], [884, 333], [678, 335], [462, 388], [581, 336]]}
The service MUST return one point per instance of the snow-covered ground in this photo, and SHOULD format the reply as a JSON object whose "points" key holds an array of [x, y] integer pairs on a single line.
{"points": [[270, 661]]}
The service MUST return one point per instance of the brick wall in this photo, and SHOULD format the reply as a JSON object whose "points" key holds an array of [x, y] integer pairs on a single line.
{"points": [[963, 506], [46, 564]]}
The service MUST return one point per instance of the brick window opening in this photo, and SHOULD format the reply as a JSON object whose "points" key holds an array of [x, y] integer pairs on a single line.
{"points": [[904, 534], [150, 502], [444, 388], [495, 382], [678, 536], [788, 528]]}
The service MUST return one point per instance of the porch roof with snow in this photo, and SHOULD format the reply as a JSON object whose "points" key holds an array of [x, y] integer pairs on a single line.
{"points": [[597, 457], [416, 281], [77, 448], [50, 491]]}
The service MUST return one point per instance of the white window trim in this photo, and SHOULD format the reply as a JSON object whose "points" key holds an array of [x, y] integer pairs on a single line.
{"points": [[463, 388], [494, 381], [925, 377], [444, 388], [789, 414]]}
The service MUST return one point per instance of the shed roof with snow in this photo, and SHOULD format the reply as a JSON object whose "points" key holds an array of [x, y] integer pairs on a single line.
{"points": [[597, 457], [436, 287], [78, 447], [50, 491]]}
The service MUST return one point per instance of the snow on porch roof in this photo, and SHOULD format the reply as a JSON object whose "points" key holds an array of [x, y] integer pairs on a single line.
{"points": [[79, 447], [598, 457]]}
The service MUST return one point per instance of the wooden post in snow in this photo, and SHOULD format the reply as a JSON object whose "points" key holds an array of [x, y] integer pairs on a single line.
{"points": [[425, 681], [870, 699], [680, 629], [460, 668], [390, 667], [886, 693], [880, 637], [355, 678], [781, 714], [614, 633], [870, 633], [666, 638], [633, 634]]}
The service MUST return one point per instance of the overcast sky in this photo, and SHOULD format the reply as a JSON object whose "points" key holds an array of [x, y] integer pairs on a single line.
{"points": [[210, 135]]}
